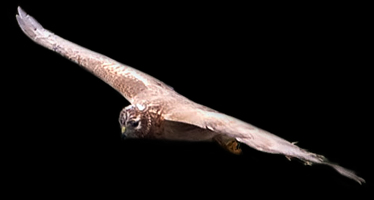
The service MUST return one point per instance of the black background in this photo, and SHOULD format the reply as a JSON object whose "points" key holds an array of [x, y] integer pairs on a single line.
{"points": [[298, 71]]}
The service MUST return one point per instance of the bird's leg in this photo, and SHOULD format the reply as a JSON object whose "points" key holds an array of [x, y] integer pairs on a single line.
{"points": [[228, 143]]}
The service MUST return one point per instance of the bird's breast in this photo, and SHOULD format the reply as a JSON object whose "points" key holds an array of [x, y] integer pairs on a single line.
{"points": [[172, 130]]}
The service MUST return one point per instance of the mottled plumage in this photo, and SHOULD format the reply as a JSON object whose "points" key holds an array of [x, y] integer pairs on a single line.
{"points": [[158, 112]]}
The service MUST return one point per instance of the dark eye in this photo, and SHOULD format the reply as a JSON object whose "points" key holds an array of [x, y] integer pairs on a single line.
{"points": [[134, 123]]}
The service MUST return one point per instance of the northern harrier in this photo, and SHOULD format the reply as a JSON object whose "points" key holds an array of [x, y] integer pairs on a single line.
{"points": [[157, 111]]}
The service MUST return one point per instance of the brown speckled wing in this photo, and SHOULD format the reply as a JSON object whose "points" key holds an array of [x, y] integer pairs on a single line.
{"points": [[126, 80], [140, 88]]}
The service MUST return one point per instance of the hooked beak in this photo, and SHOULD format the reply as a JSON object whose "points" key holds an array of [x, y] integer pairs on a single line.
{"points": [[123, 130]]}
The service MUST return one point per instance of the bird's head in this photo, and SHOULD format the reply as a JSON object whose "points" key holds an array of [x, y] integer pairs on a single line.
{"points": [[134, 122]]}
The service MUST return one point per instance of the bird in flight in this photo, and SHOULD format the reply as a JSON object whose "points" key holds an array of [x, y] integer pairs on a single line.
{"points": [[159, 112]]}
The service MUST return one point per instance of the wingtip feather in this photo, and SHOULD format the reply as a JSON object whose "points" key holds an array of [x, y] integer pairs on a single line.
{"points": [[348, 173], [28, 24], [21, 12]]}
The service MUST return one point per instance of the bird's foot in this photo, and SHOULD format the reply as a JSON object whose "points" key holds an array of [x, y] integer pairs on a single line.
{"points": [[234, 147], [230, 144]]}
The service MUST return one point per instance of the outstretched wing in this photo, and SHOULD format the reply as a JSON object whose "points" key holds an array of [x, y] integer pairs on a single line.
{"points": [[138, 87], [180, 109], [126, 80], [183, 110]]}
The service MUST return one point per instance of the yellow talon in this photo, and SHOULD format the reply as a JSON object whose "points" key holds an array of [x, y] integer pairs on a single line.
{"points": [[234, 147], [229, 143]]}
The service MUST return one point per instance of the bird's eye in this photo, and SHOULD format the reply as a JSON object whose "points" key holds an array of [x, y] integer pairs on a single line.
{"points": [[134, 123]]}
